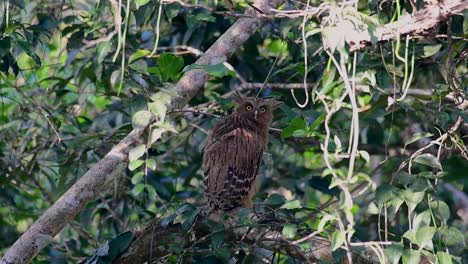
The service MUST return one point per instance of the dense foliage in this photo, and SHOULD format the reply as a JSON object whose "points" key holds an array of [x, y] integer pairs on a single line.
{"points": [[378, 153]]}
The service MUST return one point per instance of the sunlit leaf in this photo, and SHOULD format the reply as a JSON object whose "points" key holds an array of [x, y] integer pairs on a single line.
{"points": [[429, 160], [411, 256], [138, 54], [338, 239], [424, 236], [393, 252], [151, 163], [430, 50], [158, 108], [137, 152], [444, 258], [289, 231], [138, 177], [417, 137], [133, 165], [325, 219], [139, 3], [295, 204], [141, 119]]}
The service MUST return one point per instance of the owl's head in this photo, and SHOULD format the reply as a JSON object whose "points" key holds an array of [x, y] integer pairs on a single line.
{"points": [[258, 109]]}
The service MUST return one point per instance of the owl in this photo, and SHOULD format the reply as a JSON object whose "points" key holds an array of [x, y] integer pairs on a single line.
{"points": [[233, 152]]}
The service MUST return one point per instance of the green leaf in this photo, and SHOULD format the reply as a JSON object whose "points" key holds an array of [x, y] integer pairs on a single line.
{"points": [[151, 163], [289, 231], [295, 204], [224, 254], [140, 3], [394, 252], [325, 219], [217, 238], [451, 236], [118, 245], [441, 210], [166, 126], [151, 192], [385, 193], [412, 198], [133, 165], [417, 137], [194, 20], [216, 70], [140, 66], [411, 256], [275, 200], [429, 160], [444, 258], [138, 177], [138, 188], [365, 155], [190, 219], [317, 122], [114, 78], [18, 3], [313, 32], [297, 124], [158, 108], [424, 236], [164, 96], [164, 222], [141, 119], [410, 235], [138, 54], [422, 219], [338, 146], [429, 50], [137, 152], [338, 239], [170, 66], [102, 50], [156, 133]]}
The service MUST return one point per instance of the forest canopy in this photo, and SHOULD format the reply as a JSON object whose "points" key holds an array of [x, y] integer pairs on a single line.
{"points": [[105, 107]]}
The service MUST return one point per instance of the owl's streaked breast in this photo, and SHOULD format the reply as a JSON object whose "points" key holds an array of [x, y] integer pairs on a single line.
{"points": [[231, 160]]}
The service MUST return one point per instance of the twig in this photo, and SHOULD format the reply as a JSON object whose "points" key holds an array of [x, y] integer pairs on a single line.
{"points": [[94, 42]]}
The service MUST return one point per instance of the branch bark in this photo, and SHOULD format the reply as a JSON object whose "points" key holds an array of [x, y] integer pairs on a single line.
{"points": [[420, 23], [86, 189]]}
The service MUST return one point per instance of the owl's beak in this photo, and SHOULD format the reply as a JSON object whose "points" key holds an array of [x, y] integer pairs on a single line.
{"points": [[255, 114]]}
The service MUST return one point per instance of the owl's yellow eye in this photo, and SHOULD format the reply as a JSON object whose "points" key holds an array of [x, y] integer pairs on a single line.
{"points": [[262, 109], [248, 108]]}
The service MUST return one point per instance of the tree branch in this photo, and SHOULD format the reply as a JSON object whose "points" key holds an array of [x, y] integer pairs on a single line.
{"points": [[419, 23], [153, 242], [87, 188]]}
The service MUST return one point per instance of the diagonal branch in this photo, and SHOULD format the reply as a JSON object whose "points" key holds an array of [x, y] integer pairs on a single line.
{"points": [[87, 188]]}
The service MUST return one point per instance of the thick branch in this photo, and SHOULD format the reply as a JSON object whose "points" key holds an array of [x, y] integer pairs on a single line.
{"points": [[419, 23], [86, 189]]}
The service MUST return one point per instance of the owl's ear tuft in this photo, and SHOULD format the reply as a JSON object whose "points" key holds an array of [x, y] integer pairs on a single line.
{"points": [[274, 104], [238, 97]]}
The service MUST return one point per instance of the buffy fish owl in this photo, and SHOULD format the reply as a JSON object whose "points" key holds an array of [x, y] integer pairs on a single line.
{"points": [[233, 152]]}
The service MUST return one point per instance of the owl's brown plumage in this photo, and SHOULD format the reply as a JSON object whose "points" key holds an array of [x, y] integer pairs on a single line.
{"points": [[233, 152]]}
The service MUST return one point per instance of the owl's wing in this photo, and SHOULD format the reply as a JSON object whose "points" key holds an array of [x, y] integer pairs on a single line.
{"points": [[231, 160]]}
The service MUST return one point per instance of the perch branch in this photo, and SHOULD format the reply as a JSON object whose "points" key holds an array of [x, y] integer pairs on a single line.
{"points": [[152, 242]]}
